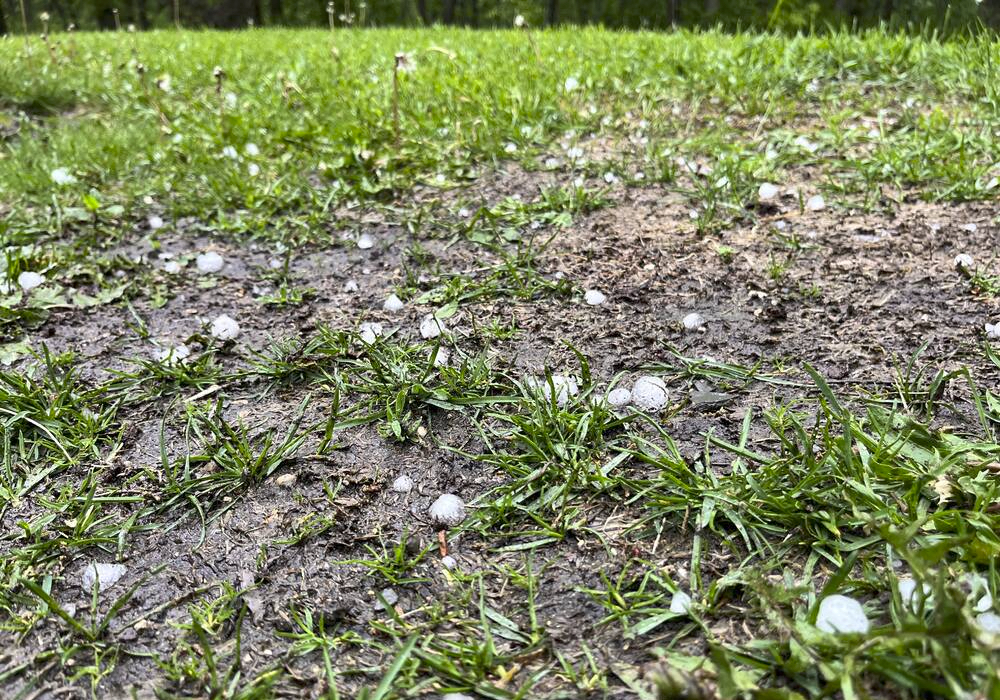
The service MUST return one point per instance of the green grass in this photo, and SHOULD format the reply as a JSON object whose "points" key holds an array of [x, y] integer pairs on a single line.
{"points": [[816, 487]]}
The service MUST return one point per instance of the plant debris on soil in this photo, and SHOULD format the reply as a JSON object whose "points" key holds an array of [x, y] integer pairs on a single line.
{"points": [[619, 365]]}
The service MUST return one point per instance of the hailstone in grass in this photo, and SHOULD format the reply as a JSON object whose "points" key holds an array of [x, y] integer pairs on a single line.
{"points": [[985, 603], [447, 511], [805, 144], [964, 261], [449, 562], [62, 176], [230, 152], [619, 398], [209, 262], [171, 267], [610, 178], [767, 192], [155, 222], [649, 394], [680, 603], [253, 170], [369, 332], [840, 614], [456, 696], [173, 355], [816, 203], [989, 622], [993, 331], [389, 596], [908, 591], [571, 84], [251, 150], [565, 388], [693, 322], [29, 280], [464, 213], [402, 484], [431, 327], [103, 574], [365, 241], [442, 357], [510, 148], [225, 328], [594, 298], [393, 303]]}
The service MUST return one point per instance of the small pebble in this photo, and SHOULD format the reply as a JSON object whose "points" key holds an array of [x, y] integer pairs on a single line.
{"points": [[389, 596], [173, 355], [209, 262], [448, 562], [286, 480]]}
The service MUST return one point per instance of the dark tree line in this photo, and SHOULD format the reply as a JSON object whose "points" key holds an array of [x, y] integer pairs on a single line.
{"points": [[632, 14]]}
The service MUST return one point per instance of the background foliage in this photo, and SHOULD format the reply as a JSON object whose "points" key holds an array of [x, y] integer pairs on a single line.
{"points": [[792, 15]]}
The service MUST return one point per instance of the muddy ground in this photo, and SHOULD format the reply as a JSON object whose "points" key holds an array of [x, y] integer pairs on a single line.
{"points": [[861, 293]]}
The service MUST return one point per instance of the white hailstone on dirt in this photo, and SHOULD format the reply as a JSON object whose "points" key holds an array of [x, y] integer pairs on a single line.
{"points": [[574, 153], [230, 152], [402, 484], [449, 562], [594, 297], [155, 222], [693, 322], [680, 603], [816, 203], [964, 261], [350, 286], [767, 192], [610, 178], [389, 596], [173, 355], [619, 398], [805, 144], [908, 591], [62, 176], [369, 332], [971, 228], [571, 84], [839, 614], [649, 393], [251, 150], [551, 163], [456, 696], [225, 327], [171, 267], [104, 575], [442, 357], [431, 327], [275, 263], [464, 213], [365, 241], [989, 622], [253, 170], [447, 511], [992, 330], [393, 303], [510, 148], [209, 262], [29, 280]]}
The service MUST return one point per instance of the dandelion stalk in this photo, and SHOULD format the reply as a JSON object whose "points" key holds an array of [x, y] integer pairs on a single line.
{"points": [[220, 76], [395, 96], [331, 15], [177, 14], [24, 25], [118, 20]]}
